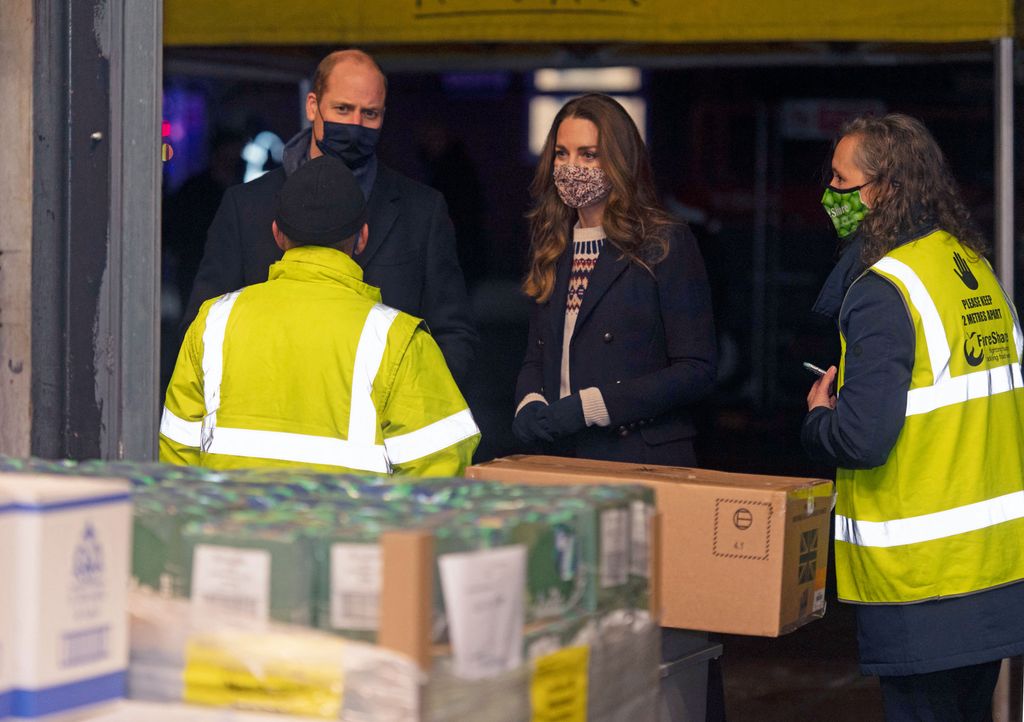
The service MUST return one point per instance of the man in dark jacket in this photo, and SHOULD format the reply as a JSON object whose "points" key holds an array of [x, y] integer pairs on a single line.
{"points": [[410, 254]]}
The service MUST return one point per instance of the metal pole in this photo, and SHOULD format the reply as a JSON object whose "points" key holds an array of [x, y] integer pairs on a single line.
{"points": [[1004, 170], [1008, 700]]}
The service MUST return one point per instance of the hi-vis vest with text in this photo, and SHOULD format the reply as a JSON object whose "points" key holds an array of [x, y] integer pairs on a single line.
{"points": [[367, 392], [944, 515]]}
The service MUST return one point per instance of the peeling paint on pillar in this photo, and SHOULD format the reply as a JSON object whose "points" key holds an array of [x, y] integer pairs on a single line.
{"points": [[88, 228]]}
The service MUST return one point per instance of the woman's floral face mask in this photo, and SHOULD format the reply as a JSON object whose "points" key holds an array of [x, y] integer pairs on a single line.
{"points": [[579, 186]]}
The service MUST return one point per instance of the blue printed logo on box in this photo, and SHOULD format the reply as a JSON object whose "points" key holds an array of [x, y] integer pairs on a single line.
{"points": [[88, 562]]}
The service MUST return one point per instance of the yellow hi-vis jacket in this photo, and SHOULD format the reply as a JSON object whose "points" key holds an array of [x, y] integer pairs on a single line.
{"points": [[310, 370], [944, 515]]}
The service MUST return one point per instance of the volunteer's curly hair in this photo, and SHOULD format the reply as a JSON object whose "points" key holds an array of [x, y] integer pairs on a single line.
{"points": [[634, 221], [913, 185]]}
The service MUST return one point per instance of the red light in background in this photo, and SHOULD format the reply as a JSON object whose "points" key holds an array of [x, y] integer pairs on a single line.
{"points": [[165, 128]]}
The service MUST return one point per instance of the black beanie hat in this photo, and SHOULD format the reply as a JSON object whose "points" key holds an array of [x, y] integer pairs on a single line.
{"points": [[321, 203]]}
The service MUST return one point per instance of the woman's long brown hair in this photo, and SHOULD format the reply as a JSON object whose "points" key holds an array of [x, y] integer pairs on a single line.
{"points": [[634, 221], [913, 185]]}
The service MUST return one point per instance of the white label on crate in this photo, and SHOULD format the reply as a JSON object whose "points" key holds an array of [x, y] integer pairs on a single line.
{"points": [[640, 543], [231, 583], [614, 548], [484, 600], [355, 586], [819, 599]]}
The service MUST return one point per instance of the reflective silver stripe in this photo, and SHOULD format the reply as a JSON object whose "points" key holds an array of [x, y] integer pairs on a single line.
{"points": [[959, 389], [947, 390], [301, 448], [432, 438], [359, 451], [929, 527], [213, 360], [178, 430], [362, 420], [934, 331]]}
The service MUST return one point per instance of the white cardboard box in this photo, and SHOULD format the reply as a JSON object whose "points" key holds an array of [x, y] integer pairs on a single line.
{"points": [[6, 605], [72, 547]]}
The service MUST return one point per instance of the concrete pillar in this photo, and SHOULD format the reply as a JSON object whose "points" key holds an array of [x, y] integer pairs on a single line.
{"points": [[16, 180]]}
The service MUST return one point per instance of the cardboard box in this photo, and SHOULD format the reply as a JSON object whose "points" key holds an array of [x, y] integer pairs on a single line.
{"points": [[71, 547], [739, 553], [6, 605]]}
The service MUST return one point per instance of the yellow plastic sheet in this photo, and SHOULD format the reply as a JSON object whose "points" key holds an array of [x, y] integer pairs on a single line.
{"points": [[558, 690], [273, 674]]}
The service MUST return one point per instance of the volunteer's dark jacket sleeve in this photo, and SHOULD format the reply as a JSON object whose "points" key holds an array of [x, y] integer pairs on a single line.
{"points": [[861, 431]]}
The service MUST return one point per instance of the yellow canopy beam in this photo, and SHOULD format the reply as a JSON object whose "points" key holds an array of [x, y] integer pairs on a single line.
{"points": [[341, 22]]}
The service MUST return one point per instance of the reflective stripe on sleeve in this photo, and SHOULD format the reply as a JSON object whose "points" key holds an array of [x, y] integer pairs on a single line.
{"points": [[362, 420], [180, 431], [934, 332], [928, 527], [432, 438], [213, 359], [300, 448]]}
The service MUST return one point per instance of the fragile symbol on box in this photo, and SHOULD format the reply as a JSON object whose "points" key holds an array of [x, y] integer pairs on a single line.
{"points": [[743, 529]]}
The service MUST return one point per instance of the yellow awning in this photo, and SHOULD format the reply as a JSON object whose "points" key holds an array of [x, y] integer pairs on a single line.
{"points": [[341, 22]]}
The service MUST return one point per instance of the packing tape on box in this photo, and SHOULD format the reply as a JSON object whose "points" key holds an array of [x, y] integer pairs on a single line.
{"points": [[817, 499]]}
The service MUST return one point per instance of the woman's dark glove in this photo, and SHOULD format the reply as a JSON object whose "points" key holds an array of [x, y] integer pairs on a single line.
{"points": [[527, 425], [564, 417]]}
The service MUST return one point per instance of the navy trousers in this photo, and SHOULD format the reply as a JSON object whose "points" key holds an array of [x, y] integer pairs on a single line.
{"points": [[963, 694]]}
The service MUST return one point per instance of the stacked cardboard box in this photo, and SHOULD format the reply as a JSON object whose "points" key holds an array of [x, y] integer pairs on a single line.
{"points": [[63, 643], [364, 599], [740, 553], [6, 605]]}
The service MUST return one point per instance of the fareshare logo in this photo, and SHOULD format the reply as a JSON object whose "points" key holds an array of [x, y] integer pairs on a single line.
{"points": [[973, 351]]}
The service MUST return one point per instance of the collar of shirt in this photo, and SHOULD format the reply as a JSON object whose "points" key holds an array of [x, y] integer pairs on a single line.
{"points": [[847, 269], [319, 263]]}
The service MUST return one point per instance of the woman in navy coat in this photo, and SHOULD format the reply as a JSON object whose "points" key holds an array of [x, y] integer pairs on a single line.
{"points": [[621, 339]]}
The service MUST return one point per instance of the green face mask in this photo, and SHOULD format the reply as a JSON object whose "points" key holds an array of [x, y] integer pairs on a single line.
{"points": [[845, 208]]}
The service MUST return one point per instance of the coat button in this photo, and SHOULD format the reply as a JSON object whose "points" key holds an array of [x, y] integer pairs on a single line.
{"points": [[608, 337], [623, 431], [540, 342]]}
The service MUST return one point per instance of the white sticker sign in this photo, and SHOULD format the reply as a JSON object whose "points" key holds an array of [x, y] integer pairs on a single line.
{"points": [[231, 583], [355, 586], [484, 597]]}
